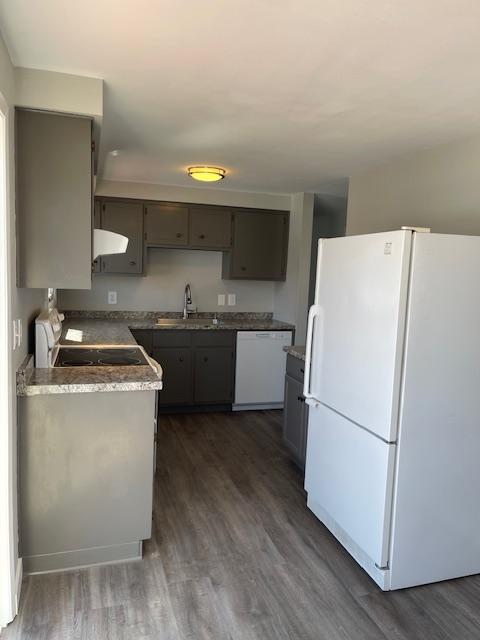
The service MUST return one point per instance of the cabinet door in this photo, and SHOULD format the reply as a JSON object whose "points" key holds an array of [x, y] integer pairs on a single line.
{"points": [[53, 200], [166, 225], [125, 218], [177, 375], [259, 249], [210, 228], [294, 419], [213, 375], [144, 339]]}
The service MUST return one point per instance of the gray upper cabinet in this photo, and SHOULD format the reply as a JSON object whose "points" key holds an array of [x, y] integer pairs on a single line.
{"points": [[166, 225], [125, 218], [259, 251], [210, 228], [53, 200]]}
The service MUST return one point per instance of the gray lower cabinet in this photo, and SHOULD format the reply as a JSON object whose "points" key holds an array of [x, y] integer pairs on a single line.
{"points": [[198, 366], [210, 228], [259, 249], [85, 478], [144, 339], [166, 225], [176, 363], [213, 375], [295, 411], [125, 218], [53, 200]]}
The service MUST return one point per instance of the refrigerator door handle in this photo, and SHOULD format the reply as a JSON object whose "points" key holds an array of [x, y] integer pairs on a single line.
{"points": [[315, 311]]}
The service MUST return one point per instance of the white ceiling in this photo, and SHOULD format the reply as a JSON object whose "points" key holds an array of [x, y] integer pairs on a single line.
{"points": [[286, 94]]}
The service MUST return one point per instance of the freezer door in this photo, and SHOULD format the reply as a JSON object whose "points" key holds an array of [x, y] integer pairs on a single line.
{"points": [[349, 474], [358, 334]]}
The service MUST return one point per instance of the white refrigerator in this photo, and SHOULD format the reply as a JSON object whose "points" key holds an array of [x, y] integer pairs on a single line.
{"points": [[392, 378]]}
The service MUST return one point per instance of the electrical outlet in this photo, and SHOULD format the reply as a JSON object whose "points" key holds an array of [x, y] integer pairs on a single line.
{"points": [[232, 299], [112, 297], [221, 300]]}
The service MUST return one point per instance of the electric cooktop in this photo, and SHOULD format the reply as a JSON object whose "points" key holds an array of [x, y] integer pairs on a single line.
{"points": [[101, 357]]}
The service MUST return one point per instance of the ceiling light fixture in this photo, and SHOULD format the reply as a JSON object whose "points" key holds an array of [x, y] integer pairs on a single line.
{"points": [[207, 174]]}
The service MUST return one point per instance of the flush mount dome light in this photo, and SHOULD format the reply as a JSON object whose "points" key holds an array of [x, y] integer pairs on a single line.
{"points": [[206, 174]]}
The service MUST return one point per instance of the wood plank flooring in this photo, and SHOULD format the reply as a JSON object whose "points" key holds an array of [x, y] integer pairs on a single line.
{"points": [[236, 555]]}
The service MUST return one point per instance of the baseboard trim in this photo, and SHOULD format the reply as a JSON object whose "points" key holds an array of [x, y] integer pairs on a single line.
{"points": [[257, 407], [82, 558]]}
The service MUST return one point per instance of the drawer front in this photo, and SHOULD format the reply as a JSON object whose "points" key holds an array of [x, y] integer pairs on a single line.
{"points": [[295, 368], [215, 338], [171, 338]]}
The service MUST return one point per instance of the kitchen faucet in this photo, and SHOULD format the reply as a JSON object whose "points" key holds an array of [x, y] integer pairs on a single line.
{"points": [[187, 299]]}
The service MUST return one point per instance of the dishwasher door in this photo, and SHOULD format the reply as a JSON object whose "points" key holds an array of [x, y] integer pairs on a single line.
{"points": [[260, 369]]}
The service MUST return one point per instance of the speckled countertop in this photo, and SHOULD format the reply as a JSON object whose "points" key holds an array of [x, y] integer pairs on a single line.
{"points": [[97, 325], [37, 382], [296, 352], [113, 329]]}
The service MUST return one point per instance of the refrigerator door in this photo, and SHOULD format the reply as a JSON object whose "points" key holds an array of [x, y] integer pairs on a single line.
{"points": [[348, 477], [357, 331], [436, 520]]}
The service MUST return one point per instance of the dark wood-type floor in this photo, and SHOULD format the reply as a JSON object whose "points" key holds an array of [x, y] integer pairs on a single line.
{"points": [[236, 555]]}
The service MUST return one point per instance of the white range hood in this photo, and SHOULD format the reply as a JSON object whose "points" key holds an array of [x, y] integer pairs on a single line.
{"points": [[108, 243]]}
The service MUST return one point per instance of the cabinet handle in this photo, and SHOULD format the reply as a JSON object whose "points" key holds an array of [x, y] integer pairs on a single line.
{"points": [[202, 236], [132, 262], [243, 268], [179, 235]]}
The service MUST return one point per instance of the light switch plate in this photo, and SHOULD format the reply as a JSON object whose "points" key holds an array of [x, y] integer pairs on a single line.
{"points": [[221, 300], [112, 297], [17, 333], [232, 299]]}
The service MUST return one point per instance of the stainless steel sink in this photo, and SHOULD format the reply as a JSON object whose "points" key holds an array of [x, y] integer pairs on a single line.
{"points": [[170, 322]]}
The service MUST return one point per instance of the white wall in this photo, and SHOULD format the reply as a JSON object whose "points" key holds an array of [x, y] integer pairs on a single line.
{"points": [[437, 188], [197, 195], [291, 296], [168, 270], [36, 88]]}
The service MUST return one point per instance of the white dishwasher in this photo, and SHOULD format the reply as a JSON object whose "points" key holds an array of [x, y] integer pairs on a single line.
{"points": [[260, 369]]}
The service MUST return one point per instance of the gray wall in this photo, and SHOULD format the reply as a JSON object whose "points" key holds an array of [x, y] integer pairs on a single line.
{"points": [[291, 296], [329, 220], [24, 303], [437, 188], [169, 270]]}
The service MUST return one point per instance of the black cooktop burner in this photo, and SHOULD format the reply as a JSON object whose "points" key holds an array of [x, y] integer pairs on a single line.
{"points": [[92, 357]]}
